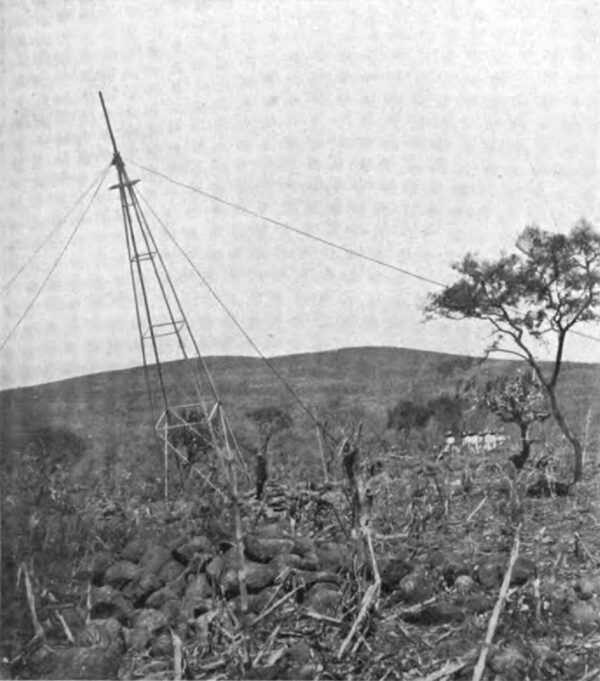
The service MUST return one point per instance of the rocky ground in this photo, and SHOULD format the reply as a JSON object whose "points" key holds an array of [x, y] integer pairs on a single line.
{"points": [[169, 605]]}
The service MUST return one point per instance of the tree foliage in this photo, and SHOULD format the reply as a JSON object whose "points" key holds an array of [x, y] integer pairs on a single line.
{"points": [[537, 294]]}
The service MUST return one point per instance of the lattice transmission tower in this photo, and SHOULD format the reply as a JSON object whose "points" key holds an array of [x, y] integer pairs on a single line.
{"points": [[160, 316]]}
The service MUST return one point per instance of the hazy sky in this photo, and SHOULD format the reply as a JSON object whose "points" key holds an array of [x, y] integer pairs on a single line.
{"points": [[407, 130]]}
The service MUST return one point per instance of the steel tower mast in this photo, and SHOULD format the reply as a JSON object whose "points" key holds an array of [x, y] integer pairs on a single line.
{"points": [[159, 314]]}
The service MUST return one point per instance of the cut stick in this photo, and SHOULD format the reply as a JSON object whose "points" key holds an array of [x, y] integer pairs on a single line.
{"points": [[177, 656], [493, 623], [37, 627]]}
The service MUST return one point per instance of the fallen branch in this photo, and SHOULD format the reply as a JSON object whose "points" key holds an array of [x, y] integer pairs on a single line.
{"points": [[370, 597], [475, 511], [447, 670], [493, 623], [177, 656], [313, 614], [275, 605], [37, 627]]}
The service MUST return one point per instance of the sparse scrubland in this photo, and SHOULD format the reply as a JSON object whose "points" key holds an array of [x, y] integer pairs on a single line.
{"points": [[145, 589]]}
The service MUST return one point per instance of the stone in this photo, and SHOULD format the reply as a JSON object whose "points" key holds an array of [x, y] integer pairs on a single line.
{"points": [[523, 570], [170, 571], [99, 633], [214, 569], [323, 599], [299, 653], [108, 602], [155, 558], [275, 529], [139, 639], [257, 576], [150, 619], [585, 614], [333, 557], [174, 612], [489, 573], [95, 662], [436, 613], [449, 565], [96, 567], [587, 587], [392, 570], [198, 591], [416, 587], [475, 604], [199, 562], [304, 545], [177, 586], [308, 577], [134, 550], [257, 602], [162, 645], [139, 589], [121, 572], [160, 597], [510, 662], [287, 560], [308, 561], [264, 549], [464, 584], [185, 552]]}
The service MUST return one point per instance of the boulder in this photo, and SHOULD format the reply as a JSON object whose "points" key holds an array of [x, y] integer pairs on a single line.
{"points": [[95, 662], [510, 662], [449, 565], [170, 571], [415, 587], [587, 587], [489, 573], [324, 599], [392, 570], [308, 577], [121, 572], [174, 612], [304, 545], [150, 620], [160, 597], [140, 588], [99, 633], [464, 584], [197, 592], [96, 567], [257, 577], [585, 614], [434, 614], [108, 602], [257, 602], [185, 551], [263, 549], [155, 558], [162, 645], [134, 550], [309, 561], [523, 570], [333, 557]]}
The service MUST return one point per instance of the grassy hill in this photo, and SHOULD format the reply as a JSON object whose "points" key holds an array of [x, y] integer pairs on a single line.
{"points": [[110, 411]]}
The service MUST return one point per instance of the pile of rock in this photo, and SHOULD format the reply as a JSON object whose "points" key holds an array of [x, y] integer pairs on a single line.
{"points": [[152, 588]]}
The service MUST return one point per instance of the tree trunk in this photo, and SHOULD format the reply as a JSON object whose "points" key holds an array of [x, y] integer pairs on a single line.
{"points": [[571, 437], [520, 459]]}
